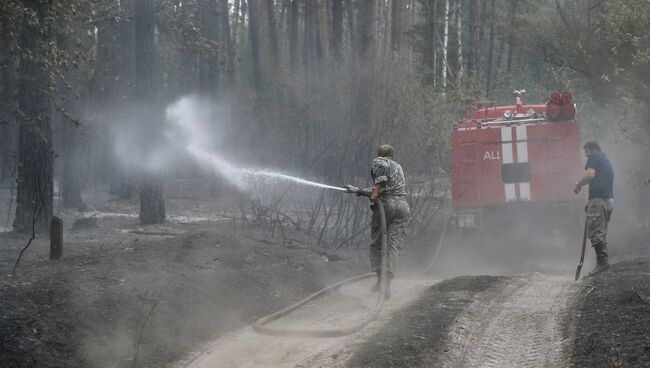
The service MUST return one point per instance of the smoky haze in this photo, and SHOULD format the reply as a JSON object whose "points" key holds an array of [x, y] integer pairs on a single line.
{"points": [[195, 152]]}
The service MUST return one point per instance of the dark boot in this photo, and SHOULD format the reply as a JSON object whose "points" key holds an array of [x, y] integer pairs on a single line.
{"points": [[599, 268], [602, 258]]}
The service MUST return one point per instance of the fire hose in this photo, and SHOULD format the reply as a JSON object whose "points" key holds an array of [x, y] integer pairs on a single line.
{"points": [[261, 325]]}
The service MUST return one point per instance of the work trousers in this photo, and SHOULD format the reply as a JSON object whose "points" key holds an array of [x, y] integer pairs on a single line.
{"points": [[397, 216], [599, 211]]}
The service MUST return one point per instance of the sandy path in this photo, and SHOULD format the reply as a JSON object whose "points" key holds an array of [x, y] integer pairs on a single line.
{"points": [[518, 326], [248, 349]]}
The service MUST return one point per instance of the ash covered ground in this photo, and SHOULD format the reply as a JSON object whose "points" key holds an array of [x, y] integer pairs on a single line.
{"points": [[126, 295]]}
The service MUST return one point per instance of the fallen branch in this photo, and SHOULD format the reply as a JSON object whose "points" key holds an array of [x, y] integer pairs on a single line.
{"points": [[11, 198], [35, 216], [144, 324], [158, 233], [643, 297]]}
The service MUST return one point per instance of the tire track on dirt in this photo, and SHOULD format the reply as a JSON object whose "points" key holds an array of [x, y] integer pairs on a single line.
{"points": [[517, 326]]}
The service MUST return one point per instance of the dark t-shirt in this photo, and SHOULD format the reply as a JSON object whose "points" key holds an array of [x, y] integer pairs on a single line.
{"points": [[602, 185]]}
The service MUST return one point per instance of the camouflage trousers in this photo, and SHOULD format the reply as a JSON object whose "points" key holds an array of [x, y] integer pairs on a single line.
{"points": [[397, 216], [599, 211]]}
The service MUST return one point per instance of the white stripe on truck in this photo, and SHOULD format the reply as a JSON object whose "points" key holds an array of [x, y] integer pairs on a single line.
{"points": [[507, 154], [521, 143]]}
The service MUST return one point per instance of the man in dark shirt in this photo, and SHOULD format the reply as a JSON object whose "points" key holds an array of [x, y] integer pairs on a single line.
{"points": [[599, 174]]}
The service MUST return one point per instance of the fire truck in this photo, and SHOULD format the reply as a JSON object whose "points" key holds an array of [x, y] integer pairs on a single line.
{"points": [[516, 165]]}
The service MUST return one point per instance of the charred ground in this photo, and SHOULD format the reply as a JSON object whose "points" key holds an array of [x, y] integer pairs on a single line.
{"points": [[126, 295], [155, 292]]}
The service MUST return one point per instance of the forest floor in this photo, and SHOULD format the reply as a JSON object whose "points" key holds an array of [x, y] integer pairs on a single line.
{"points": [[157, 296]]}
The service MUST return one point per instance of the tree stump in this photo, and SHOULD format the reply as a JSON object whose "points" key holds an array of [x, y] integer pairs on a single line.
{"points": [[56, 239]]}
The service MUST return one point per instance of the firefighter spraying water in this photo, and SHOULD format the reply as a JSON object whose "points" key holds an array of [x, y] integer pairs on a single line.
{"points": [[389, 184]]}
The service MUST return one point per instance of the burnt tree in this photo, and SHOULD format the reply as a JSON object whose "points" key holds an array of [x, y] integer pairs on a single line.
{"points": [[308, 35], [366, 29], [273, 29], [429, 37], [318, 39], [473, 52], [227, 41], [210, 47], [293, 32], [67, 91], [337, 29], [35, 173], [489, 72], [254, 34], [511, 35], [396, 27], [152, 203], [121, 180], [7, 110]]}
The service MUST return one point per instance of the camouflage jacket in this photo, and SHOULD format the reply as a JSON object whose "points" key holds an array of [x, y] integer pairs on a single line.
{"points": [[386, 171]]}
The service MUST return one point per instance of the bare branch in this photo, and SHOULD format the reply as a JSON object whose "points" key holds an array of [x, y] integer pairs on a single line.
{"points": [[144, 324], [35, 215]]}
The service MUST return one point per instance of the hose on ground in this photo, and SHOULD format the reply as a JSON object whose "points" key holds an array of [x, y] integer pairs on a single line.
{"points": [[261, 325]]}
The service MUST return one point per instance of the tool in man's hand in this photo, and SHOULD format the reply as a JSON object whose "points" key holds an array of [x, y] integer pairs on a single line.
{"points": [[582, 253]]}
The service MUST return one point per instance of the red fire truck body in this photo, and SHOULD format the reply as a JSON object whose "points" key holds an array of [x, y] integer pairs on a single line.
{"points": [[508, 158]]}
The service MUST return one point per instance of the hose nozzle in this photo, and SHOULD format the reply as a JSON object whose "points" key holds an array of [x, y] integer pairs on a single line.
{"points": [[357, 191]]}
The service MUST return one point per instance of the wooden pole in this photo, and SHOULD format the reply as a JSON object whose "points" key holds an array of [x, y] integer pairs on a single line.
{"points": [[56, 239]]}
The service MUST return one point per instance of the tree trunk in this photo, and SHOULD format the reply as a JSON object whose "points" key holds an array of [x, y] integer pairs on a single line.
{"points": [[34, 205], [511, 35], [429, 41], [7, 113], [459, 29], [489, 71], [237, 11], [366, 30], [210, 50], [318, 39], [445, 43], [254, 34], [152, 203], [337, 29], [308, 34], [122, 180], [474, 36], [68, 88], [293, 33], [396, 28], [352, 28], [273, 29], [227, 40]]}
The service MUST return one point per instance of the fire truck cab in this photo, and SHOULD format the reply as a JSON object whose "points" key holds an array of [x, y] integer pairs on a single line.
{"points": [[517, 163]]}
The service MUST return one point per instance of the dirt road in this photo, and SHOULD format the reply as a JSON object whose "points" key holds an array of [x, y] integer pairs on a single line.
{"points": [[518, 326], [247, 349], [510, 322]]}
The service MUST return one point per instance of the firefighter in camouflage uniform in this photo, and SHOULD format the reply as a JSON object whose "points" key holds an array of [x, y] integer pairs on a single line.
{"points": [[389, 184]]}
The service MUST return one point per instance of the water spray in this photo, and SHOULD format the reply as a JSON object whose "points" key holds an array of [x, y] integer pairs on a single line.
{"points": [[264, 174], [188, 117]]}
